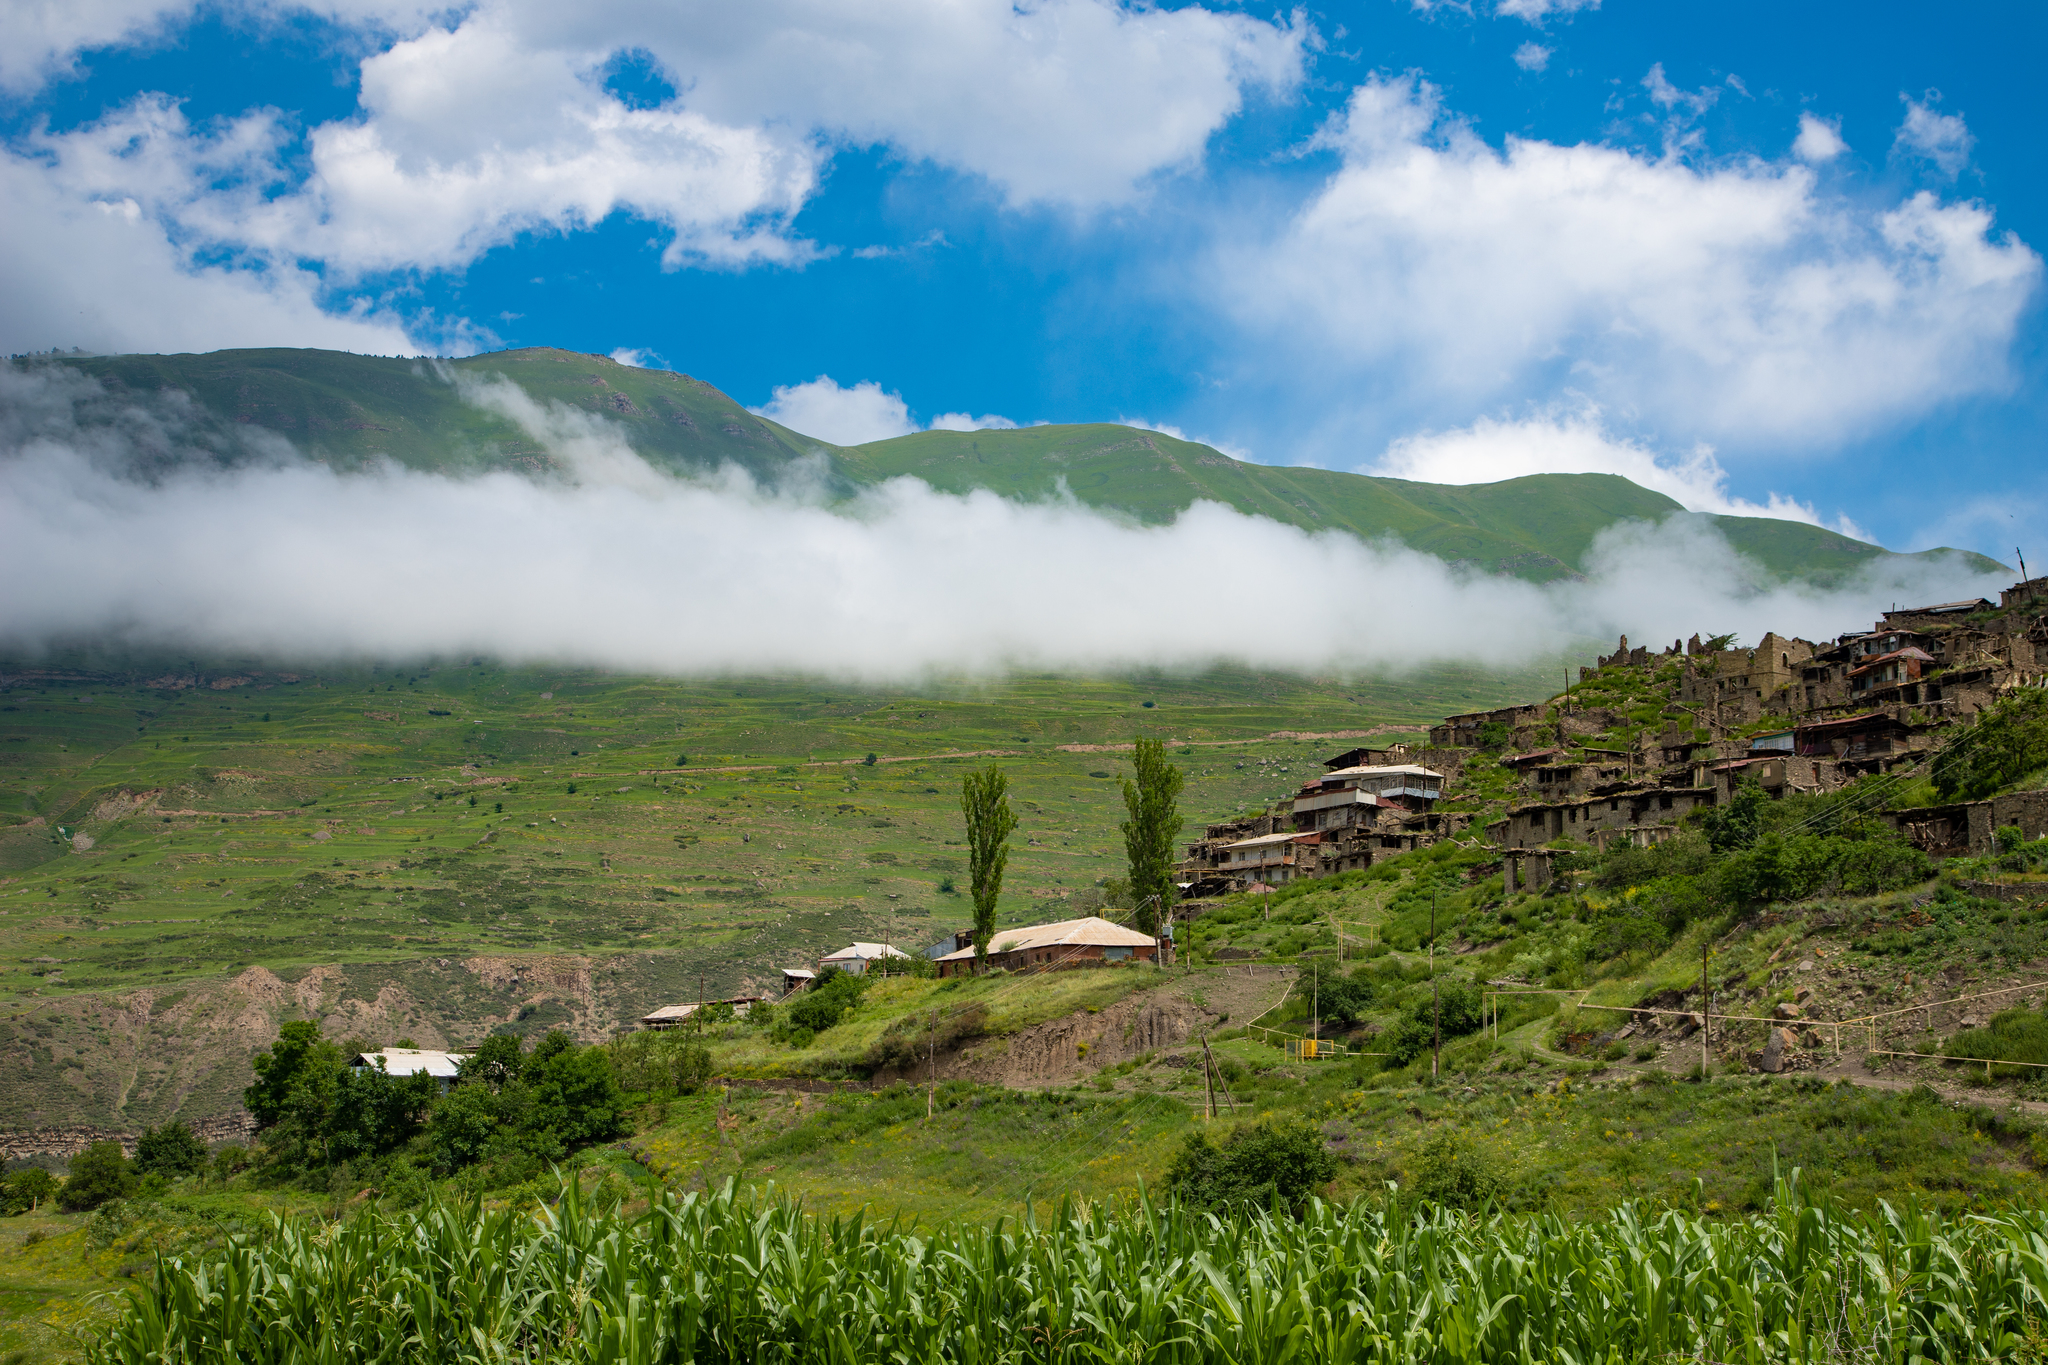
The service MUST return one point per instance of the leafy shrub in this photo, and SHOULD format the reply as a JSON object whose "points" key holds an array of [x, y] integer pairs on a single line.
{"points": [[908, 1042], [1273, 1165], [1627, 932], [1458, 1009], [27, 1190], [825, 1001], [171, 1149], [1805, 865], [2018, 1035], [2008, 741], [99, 1174], [1341, 999], [1451, 1171]]}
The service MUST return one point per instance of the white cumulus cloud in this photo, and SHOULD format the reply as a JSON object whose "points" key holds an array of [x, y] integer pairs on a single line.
{"points": [[1819, 140], [1490, 450], [1735, 302], [484, 123], [1532, 56], [1931, 135], [965, 421], [1536, 11], [850, 416]]}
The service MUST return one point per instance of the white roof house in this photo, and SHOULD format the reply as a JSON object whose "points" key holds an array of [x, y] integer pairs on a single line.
{"points": [[411, 1061], [1092, 932], [855, 957]]}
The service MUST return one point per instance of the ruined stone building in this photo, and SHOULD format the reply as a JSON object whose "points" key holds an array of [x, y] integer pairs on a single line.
{"points": [[1338, 822], [1791, 715]]}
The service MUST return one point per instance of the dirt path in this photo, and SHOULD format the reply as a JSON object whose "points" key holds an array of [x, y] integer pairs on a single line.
{"points": [[1841, 1069], [1076, 1046]]}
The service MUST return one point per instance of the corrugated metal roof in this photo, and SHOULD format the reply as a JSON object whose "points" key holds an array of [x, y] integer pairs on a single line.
{"points": [[408, 1061], [864, 952], [1866, 718], [1265, 839], [1396, 770], [1092, 932]]}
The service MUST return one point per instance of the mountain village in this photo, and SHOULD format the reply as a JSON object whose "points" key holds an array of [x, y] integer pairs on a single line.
{"points": [[1695, 721]]}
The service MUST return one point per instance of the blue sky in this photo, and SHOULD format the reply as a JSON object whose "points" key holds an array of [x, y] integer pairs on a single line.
{"points": [[1758, 256]]}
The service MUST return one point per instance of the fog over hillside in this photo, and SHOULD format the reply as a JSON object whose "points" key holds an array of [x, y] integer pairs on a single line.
{"points": [[144, 521]]}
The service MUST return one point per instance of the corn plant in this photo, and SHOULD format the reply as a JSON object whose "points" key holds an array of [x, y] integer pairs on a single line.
{"points": [[725, 1277]]}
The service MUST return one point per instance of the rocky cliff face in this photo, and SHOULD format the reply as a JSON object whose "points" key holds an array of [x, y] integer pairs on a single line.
{"points": [[111, 1064]]}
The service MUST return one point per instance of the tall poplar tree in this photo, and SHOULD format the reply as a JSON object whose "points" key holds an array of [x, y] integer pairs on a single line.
{"points": [[985, 801], [1153, 801]]}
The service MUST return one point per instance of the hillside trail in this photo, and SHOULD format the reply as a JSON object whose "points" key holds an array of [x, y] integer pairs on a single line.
{"points": [[1838, 1070], [1076, 1046]]}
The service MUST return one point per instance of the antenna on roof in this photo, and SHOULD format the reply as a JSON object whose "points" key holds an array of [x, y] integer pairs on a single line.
{"points": [[2023, 563]]}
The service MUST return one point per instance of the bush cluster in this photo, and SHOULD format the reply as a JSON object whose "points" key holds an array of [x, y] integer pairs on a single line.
{"points": [[509, 1113], [1273, 1165]]}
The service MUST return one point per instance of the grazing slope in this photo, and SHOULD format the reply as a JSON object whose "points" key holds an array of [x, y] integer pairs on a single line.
{"points": [[350, 409]]}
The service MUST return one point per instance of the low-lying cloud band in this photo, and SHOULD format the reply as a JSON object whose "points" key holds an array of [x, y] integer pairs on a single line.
{"points": [[629, 568]]}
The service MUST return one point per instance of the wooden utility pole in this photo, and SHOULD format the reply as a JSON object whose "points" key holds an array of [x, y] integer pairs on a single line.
{"points": [[1209, 1068], [700, 1004], [1706, 1009], [932, 1049], [1436, 1013], [1208, 1086], [1315, 1002]]}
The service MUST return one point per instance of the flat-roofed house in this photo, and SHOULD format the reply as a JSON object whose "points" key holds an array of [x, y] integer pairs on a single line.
{"points": [[673, 1016], [411, 1061], [1090, 942]]}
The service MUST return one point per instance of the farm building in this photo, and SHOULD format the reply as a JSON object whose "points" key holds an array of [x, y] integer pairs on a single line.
{"points": [[410, 1061], [670, 1016], [1089, 942], [855, 958]]}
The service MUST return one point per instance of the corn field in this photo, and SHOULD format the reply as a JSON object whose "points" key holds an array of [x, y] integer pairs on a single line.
{"points": [[722, 1278]]}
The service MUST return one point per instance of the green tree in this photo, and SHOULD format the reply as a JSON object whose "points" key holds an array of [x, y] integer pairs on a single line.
{"points": [[985, 802], [576, 1096], [293, 1096], [2008, 741], [1740, 823], [171, 1149], [495, 1061], [1153, 803], [28, 1189], [98, 1174], [375, 1113]]}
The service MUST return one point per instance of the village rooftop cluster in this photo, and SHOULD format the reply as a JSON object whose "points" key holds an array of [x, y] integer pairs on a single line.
{"points": [[1791, 715]]}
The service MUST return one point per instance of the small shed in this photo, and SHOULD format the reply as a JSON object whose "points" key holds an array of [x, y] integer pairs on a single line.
{"points": [[796, 978], [670, 1016]]}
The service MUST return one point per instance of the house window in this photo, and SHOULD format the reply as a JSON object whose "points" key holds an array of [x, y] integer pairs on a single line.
{"points": [[1663, 803], [1116, 954]]}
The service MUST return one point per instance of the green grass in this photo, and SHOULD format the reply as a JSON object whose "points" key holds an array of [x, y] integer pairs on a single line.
{"points": [[330, 852]]}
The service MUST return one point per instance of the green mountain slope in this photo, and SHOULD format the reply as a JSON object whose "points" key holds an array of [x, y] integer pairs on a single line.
{"points": [[1538, 527], [351, 409]]}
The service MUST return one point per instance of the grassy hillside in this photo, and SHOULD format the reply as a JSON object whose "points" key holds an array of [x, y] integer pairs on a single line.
{"points": [[348, 409], [1537, 527], [190, 851]]}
